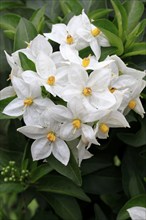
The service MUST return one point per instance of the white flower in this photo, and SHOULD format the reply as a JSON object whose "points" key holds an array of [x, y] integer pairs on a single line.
{"points": [[66, 36], [92, 90], [93, 35], [51, 78], [111, 120], [47, 142], [74, 119], [137, 213], [132, 100], [28, 103]]}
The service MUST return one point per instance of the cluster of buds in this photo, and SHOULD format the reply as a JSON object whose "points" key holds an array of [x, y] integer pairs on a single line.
{"points": [[11, 173]]}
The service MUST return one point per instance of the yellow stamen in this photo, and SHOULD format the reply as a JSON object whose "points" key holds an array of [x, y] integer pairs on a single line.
{"points": [[86, 61], [132, 104], [87, 91], [104, 128], [76, 123], [112, 89], [51, 137], [95, 32], [51, 80], [28, 102], [69, 39], [28, 44]]}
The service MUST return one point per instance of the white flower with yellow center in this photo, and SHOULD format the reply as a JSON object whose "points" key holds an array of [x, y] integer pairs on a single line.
{"points": [[132, 100], [66, 36], [92, 35], [51, 78], [47, 141], [113, 119], [28, 103], [92, 90], [74, 118]]}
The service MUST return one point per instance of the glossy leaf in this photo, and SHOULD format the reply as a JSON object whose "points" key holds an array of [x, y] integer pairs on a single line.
{"points": [[11, 188], [137, 49], [3, 104], [137, 139], [99, 13], [120, 17], [135, 9], [25, 32], [135, 201], [62, 185], [132, 172], [9, 4], [40, 171], [37, 19], [9, 21], [71, 171], [26, 63], [65, 207], [99, 214]]}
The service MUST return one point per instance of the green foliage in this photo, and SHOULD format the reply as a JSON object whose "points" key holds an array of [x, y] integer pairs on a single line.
{"points": [[101, 188]]}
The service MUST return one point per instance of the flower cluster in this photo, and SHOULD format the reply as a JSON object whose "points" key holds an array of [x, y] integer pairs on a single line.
{"points": [[85, 97]]}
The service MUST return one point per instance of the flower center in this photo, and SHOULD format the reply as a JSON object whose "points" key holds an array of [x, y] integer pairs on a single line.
{"points": [[51, 80], [112, 89], [28, 102], [69, 39], [87, 91], [132, 104], [76, 123], [51, 136], [85, 61], [95, 32], [104, 128]]}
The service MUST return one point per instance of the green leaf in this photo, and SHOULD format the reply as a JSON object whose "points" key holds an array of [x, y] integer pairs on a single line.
{"points": [[9, 21], [99, 13], [71, 171], [26, 63], [135, 33], [8, 5], [132, 172], [139, 200], [120, 17], [73, 6], [39, 172], [44, 92], [3, 104], [94, 164], [65, 207], [137, 49], [105, 181], [62, 185], [135, 9], [99, 214], [9, 34], [37, 18], [11, 188], [137, 139], [25, 32]]}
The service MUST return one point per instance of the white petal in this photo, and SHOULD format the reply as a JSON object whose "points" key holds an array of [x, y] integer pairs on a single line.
{"points": [[45, 65], [89, 134], [40, 43], [30, 77], [31, 115], [137, 213], [58, 33], [41, 149], [60, 113], [77, 75], [68, 133], [103, 100], [7, 92], [60, 151], [34, 132], [14, 108], [69, 53], [21, 88], [70, 92], [95, 48], [103, 41], [139, 108]]}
